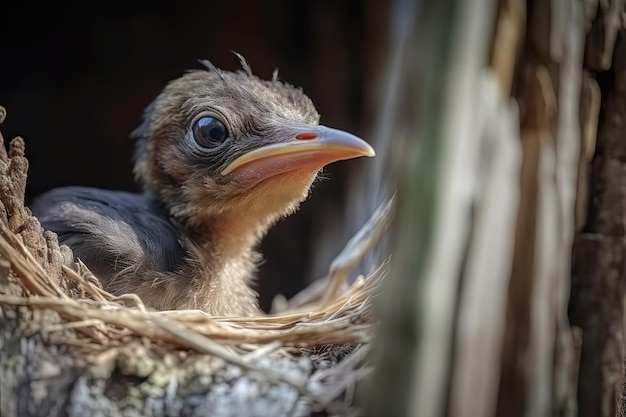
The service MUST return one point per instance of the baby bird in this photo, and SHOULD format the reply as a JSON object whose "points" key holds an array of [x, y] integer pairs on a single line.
{"points": [[221, 157]]}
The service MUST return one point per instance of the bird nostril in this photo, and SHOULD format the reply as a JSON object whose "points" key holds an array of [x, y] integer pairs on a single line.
{"points": [[306, 136]]}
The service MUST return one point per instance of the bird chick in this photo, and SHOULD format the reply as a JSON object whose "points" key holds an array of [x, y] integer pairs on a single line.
{"points": [[221, 157]]}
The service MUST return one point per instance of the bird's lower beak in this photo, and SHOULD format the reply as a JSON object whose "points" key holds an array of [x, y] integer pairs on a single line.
{"points": [[310, 147]]}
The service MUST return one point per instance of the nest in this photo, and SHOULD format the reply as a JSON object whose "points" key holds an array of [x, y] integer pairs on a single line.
{"points": [[305, 357]]}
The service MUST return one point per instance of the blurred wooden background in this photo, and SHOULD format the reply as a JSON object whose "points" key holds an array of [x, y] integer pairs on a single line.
{"points": [[506, 294]]}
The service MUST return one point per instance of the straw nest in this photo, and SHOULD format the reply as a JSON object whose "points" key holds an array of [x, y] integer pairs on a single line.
{"points": [[113, 355]]}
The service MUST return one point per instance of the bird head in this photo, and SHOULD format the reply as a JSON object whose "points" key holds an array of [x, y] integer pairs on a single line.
{"points": [[217, 142]]}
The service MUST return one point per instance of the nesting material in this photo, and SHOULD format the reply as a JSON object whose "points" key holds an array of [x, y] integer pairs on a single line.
{"points": [[297, 347]]}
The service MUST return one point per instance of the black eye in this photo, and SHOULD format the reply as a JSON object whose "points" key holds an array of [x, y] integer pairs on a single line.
{"points": [[209, 132]]}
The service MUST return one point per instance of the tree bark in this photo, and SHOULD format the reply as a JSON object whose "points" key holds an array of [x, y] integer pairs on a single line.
{"points": [[512, 217]]}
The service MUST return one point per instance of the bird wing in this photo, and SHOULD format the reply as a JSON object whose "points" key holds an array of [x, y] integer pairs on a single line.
{"points": [[114, 233]]}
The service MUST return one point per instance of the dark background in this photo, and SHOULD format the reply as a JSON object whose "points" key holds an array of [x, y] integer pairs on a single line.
{"points": [[75, 78]]}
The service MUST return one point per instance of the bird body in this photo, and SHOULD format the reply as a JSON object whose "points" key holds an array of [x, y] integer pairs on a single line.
{"points": [[221, 156]]}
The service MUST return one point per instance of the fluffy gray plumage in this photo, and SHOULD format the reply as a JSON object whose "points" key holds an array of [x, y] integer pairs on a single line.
{"points": [[113, 232]]}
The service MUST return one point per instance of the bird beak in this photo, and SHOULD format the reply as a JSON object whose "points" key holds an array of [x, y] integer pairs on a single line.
{"points": [[310, 147]]}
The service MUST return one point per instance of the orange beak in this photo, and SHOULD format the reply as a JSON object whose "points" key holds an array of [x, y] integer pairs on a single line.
{"points": [[309, 147]]}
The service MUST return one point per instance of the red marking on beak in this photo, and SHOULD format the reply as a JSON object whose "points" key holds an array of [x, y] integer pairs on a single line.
{"points": [[306, 136], [296, 150]]}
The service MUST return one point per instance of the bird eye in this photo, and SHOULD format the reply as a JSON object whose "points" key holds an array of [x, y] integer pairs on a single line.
{"points": [[209, 132]]}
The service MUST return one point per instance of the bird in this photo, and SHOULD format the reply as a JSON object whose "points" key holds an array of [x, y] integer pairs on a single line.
{"points": [[220, 157]]}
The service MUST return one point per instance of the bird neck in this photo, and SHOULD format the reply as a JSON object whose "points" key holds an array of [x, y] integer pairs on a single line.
{"points": [[221, 239], [223, 250], [233, 234], [234, 231]]}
